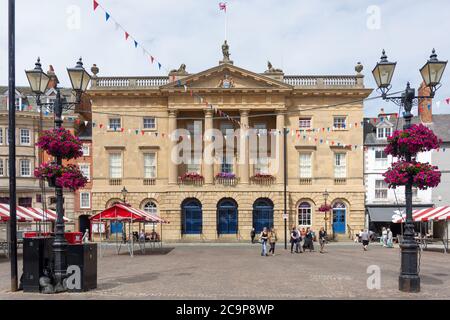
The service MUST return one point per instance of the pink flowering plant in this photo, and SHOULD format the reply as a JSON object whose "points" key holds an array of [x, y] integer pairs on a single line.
{"points": [[416, 139], [60, 143], [72, 178], [191, 176], [422, 175], [325, 208], [69, 177], [226, 175]]}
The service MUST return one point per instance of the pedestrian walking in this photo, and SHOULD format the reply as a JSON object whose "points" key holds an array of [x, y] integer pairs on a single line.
{"points": [[294, 240], [384, 237], [365, 236], [264, 237], [273, 238], [253, 235], [322, 238], [390, 238]]}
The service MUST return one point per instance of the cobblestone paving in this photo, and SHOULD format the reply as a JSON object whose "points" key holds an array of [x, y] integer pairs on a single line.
{"points": [[239, 272]]}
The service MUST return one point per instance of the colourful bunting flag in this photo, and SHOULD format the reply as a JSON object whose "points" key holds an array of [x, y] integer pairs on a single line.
{"points": [[95, 5], [159, 66], [126, 35], [135, 44], [107, 16], [447, 100], [152, 59]]}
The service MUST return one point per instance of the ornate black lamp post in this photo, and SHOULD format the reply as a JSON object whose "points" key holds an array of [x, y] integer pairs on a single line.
{"points": [[124, 193], [431, 72], [38, 82], [325, 195]]}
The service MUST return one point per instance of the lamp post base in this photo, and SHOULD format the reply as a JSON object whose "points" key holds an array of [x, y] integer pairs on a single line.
{"points": [[409, 283]]}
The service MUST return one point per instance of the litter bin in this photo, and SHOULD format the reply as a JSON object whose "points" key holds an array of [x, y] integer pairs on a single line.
{"points": [[83, 256]]}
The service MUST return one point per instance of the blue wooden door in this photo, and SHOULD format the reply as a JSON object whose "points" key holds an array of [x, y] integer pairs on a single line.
{"points": [[339, 220], [262, 215], [192, 220], [227, 217]]}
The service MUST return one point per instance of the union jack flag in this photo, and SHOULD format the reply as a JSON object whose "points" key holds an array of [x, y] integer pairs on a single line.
{"points": [[223, 6]]}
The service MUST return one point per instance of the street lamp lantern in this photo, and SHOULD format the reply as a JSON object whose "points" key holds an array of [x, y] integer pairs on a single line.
{"points": [[79, 77], [124, 194], [325, 195], [432, 71], [37, 78], [383, 72]]}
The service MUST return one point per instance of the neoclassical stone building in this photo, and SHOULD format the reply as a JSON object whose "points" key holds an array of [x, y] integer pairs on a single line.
{"points": [[134, 117]]}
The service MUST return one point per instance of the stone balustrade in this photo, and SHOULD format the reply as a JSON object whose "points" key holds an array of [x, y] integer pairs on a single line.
{"points": [[338, 81]]}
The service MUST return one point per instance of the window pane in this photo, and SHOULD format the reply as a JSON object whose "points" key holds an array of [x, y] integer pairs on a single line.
{"points": [[24, 136], [304, 214], [304, 123], [115, 165], [114, 123], [85, 150], [340, 170], [2, 169], [305, 165], [149, 123], [339, 122], [149, 165], [85, 169], [25, 168], [85, 200]]}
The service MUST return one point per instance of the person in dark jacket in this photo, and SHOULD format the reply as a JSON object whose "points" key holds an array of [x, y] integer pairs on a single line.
{"points": [[294, 240], [308, 243], [322, 239], [253, 235]]}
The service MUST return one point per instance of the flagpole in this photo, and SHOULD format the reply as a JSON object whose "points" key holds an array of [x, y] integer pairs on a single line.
{"points": [[226, 24]]}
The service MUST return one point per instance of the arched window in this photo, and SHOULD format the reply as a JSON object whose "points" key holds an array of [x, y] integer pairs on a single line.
{"points": [[304, 214], [262, 214], [339, 217], [192, 217], [150, 207], [227, 217]]}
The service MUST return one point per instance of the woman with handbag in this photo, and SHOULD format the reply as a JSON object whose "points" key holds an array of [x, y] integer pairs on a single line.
{"points": [[272, 240]]}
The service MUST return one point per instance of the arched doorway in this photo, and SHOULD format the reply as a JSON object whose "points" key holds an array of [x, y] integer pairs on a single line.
{"points": [[262, 214], [339, 217], [191, 217], [227, 217], [84, 224]]}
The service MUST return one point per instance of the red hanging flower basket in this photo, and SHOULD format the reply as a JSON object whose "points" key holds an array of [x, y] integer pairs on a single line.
{"points": [[416, 139], [423, 175], [69, 177], [325, 208], [60, 143]]}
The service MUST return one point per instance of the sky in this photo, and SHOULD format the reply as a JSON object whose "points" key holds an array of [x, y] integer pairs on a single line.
{"points": [[302, 37]]}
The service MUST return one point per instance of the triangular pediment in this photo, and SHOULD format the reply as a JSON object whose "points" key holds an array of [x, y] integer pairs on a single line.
{"points": [[227, 76]]}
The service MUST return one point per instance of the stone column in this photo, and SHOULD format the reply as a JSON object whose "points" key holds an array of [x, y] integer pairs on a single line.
{"points": [[244, 158], [280, 142], [208, 163], [173, 167]]}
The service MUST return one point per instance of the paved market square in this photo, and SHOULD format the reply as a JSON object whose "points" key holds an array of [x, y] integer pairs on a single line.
{"points": [[237, 271]]}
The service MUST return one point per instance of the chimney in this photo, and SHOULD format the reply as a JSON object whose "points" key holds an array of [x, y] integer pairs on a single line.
{"points": [[425, 105], [53, 78]]}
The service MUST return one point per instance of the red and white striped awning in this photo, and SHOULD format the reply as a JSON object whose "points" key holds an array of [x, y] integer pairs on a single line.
{"points": [[438, 213], [123, 212], [25, 214]]}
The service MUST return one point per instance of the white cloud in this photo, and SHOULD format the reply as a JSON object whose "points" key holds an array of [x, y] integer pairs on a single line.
{"points": [[302, 37]]}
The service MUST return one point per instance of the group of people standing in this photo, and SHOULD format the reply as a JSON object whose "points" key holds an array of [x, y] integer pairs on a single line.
{"points": [[303, 240], [387, 238]]}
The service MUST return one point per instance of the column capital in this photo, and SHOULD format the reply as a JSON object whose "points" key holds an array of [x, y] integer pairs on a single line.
{"points": [[208, 112], [173, 112], [244, 112]]}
